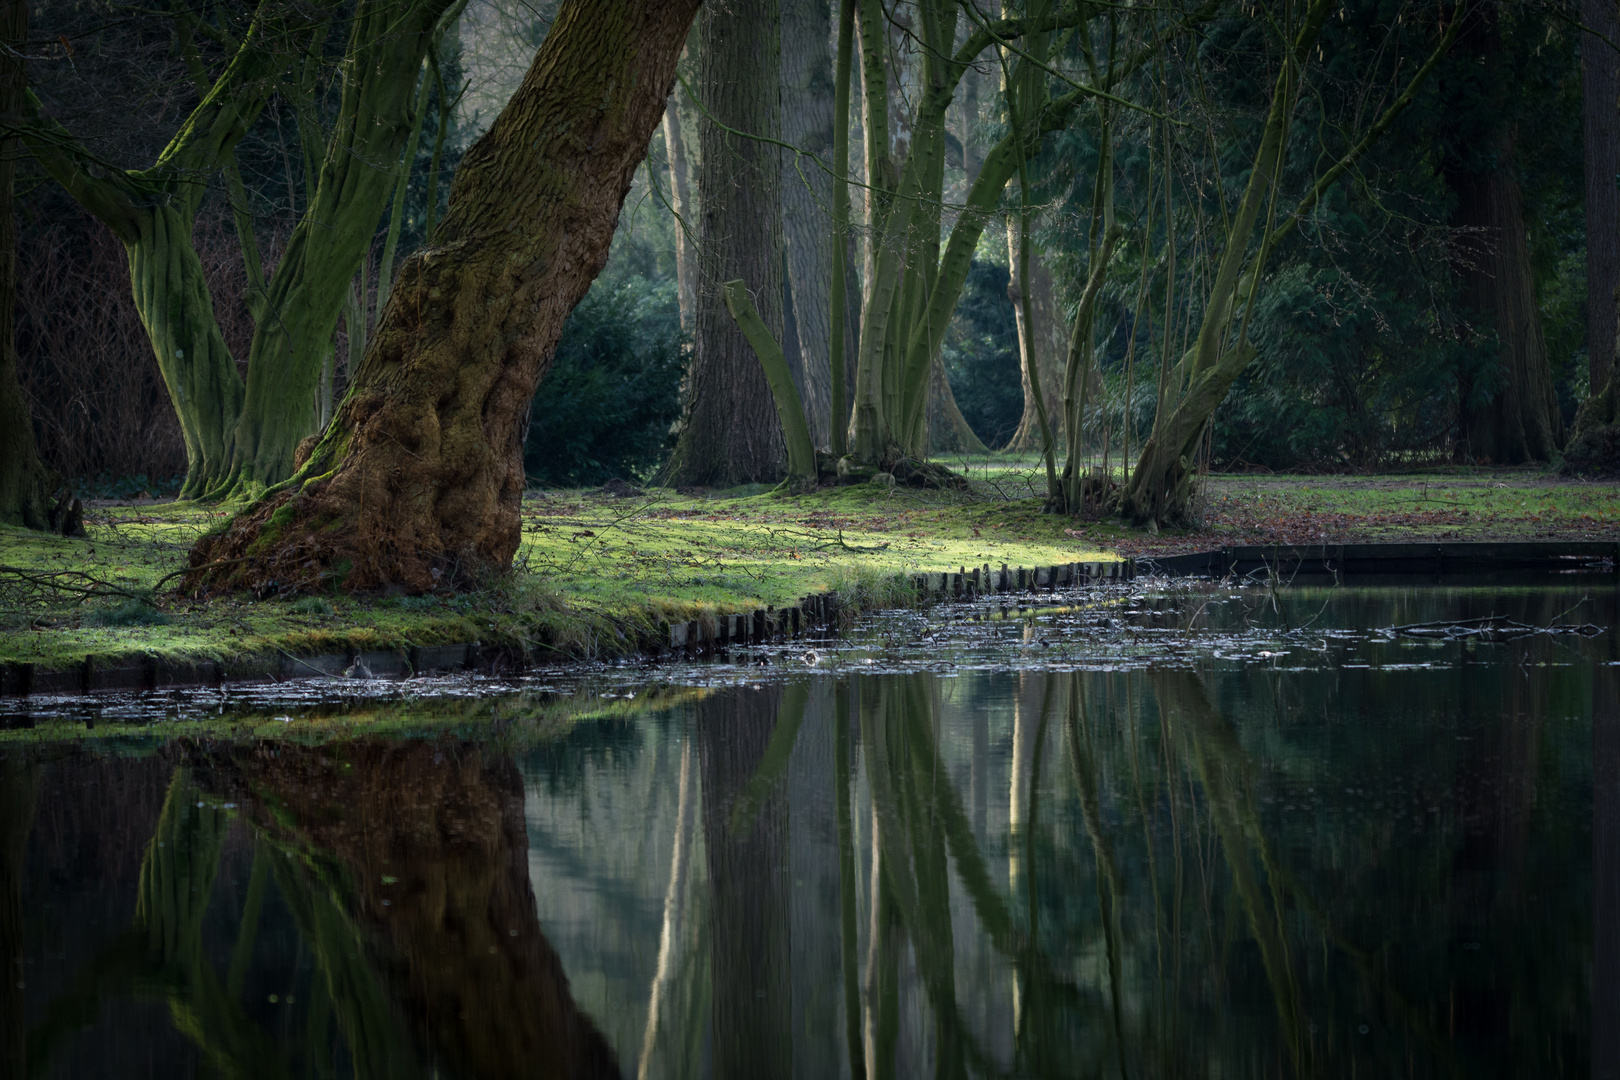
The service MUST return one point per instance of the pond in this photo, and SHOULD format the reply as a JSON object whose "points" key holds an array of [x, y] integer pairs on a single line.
{"points": [[1200, 831]]}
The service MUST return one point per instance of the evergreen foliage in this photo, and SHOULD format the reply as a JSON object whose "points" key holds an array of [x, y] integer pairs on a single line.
{"points": [[605, 408], [981, 355]]}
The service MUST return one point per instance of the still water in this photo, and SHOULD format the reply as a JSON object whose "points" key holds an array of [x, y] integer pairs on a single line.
{"points": [[1212, 832]]}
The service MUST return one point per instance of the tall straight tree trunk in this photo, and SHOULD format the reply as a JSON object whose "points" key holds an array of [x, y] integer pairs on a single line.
{"points": [[24, 480], [1049, 346], [418, 479], [680, 194], [1521, 421], [730, 433], [1600, 110], [807, 122]]}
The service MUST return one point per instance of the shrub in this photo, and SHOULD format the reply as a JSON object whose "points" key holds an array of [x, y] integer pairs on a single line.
{"points": [[605, 409]]}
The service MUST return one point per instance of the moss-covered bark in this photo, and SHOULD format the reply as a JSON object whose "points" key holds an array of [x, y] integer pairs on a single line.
{"points": [[152, 212], [240, 437], [417, 480]]}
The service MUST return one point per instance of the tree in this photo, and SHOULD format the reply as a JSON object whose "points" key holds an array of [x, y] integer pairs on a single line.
{"points": [[1517, 420], [24, 481], [729, 430], [241, 436], [417, 481], [1600, 93], [807, 123], [1159, 490], [912, 282]]}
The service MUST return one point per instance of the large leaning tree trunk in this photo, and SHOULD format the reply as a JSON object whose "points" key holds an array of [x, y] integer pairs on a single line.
{"points": [[1520, 421], [24, 481], [1600, 129], [807, 123], [417, 481], [730, 433]]}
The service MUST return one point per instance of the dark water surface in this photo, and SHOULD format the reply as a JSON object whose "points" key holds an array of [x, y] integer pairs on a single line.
{"points": [[1202, 832]]}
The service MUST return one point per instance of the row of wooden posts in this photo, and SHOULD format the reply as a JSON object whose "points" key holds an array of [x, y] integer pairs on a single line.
{"points": [[820, 610]]}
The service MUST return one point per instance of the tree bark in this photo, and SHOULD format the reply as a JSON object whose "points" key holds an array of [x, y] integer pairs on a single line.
{"points": [[681, 199], [418, 479], [948, 429], [1520, 421], [24, 481], [807, 123], [1600, 93], [729, 433]]}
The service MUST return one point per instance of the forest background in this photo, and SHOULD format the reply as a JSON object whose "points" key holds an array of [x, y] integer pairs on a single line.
{"points": [[1381, 333]]}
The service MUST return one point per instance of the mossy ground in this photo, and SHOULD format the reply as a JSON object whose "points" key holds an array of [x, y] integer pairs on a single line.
{"points": [[597, 575]]}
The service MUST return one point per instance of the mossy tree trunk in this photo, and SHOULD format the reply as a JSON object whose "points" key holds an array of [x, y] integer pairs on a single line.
{"points": [[1160, 488], [24, 481], [417, 481], [240, 436], [1047, 335], [1514, 417], [152, 212], [729, 431], [913, 282]]}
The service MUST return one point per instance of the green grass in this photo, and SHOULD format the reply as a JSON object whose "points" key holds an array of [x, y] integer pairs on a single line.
{"points": [[600, 576], [594, 575]]}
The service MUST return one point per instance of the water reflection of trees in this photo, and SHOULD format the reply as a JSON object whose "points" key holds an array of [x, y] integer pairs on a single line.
{"points": [[1154, 873], [404, 870], [1167, 908]]}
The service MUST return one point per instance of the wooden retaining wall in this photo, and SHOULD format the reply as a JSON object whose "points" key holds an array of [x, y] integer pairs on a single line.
{"points": [[820, 611]]}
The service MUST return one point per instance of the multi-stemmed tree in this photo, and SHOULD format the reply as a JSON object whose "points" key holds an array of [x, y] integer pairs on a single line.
{"points": [[242, 435]]}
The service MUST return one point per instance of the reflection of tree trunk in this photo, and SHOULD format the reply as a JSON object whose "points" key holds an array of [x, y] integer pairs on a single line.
{"points": [[1184, 701], [674, 901], [748, 905], [433, 838], [19, 786], [730, 433], [1605, 872], [1049, 346], [1521, 422], [807, 100]]}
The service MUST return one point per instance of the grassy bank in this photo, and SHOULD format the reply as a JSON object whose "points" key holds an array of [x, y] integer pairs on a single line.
{"points": [[596, 575], [599, 575]]}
